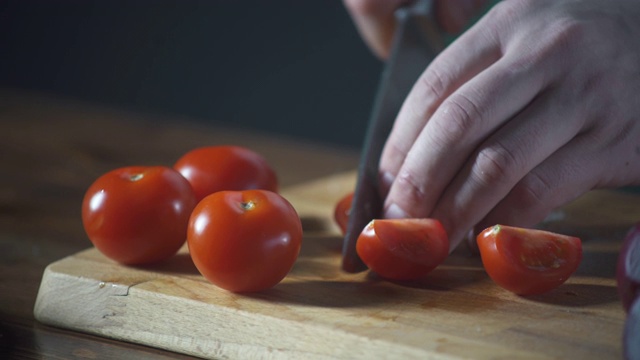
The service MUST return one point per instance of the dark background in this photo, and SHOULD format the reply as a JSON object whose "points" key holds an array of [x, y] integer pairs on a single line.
{"points": [[297, 68]]}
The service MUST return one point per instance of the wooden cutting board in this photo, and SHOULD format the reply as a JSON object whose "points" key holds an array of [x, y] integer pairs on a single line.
{"points": [[319, 312]]}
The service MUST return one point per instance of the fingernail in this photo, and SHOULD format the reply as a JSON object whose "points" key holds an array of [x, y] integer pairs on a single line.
{"points": [[394, 211]]}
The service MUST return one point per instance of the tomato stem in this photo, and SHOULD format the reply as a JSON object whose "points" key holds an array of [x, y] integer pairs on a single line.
{"points": [[249, 205], [136, 177]]}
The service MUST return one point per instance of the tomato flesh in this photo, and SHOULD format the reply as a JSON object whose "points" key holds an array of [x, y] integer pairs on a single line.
{"points": [[244, 241], [138, 215], [403, 249], [528, 261], [216, 168]]}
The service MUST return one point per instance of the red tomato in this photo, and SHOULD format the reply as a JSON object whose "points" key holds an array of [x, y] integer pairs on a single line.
{"points": [[628, 271], [403, 249], [528, 261], [244, 241], [138, 215], [341, 212], [217, 168]]}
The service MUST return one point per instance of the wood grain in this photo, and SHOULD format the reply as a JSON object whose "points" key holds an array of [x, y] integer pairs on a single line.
{"points": [[321, 312], [51, 149]]}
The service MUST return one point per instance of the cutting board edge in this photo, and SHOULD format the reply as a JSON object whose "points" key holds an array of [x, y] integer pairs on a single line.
{"points": [[54, 307]]}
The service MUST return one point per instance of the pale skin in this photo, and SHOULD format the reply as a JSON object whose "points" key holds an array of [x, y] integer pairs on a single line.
{"points": [[534, 105]]}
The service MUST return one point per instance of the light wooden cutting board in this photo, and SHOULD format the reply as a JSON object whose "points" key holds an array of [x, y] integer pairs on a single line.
{"points": [[319, 312]]}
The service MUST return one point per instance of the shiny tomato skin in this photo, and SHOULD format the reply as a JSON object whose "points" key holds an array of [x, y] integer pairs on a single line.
{"points": [[528, 261], [628, 268], [138, 215], [342, 210], [403, 249], [226, 167], [244, 241]]}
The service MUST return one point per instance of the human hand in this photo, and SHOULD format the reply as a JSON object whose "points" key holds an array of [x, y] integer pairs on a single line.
{"points": [[533, 106], [376, 22]]}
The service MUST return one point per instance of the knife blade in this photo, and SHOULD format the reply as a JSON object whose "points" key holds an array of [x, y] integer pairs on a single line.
{"points": [[417, 40]]}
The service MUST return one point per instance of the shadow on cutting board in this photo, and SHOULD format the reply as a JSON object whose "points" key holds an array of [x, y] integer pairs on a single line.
{"points": [[578, 295], [179, 264]]}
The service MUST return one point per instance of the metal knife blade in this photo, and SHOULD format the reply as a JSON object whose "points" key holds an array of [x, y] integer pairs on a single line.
{"points": [[416, 42]]}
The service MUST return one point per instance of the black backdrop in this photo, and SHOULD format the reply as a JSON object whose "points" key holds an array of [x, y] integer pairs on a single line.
{"points": [[293, 67]]}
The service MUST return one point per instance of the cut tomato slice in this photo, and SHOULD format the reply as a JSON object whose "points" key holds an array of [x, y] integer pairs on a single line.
{"points": [[528, 261], [403, 249]]}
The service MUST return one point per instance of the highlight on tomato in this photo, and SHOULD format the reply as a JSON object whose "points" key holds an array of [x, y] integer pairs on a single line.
{"points": [[528, 261], [244, 241], [342, 210], [138, 215], [226, 167], [628, 268], [403, 249]]}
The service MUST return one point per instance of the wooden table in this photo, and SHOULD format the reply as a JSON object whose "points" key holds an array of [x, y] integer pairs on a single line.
{"points": [[51, 150]]}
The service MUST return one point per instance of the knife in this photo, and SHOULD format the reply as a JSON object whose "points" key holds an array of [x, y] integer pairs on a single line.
{"points": [[416, 42]]}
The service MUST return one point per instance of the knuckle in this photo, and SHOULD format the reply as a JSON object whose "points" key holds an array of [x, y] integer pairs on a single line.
{"points": [[569, 29], [494, 165], [393, 153], [434, 82], [413, 190], [527, 61], [507, 11], [460, 115], [564, 34], [533, 192]]}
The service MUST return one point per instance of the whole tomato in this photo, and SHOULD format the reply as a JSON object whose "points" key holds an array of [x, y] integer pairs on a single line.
{"points": [[403, 249], [244, 241], [342, 210], [216, 168], [528, 261], [138, 215]]}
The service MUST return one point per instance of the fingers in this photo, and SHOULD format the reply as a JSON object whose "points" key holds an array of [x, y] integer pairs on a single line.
{"points": [[585, 163], [502, 129], [472, 53], [505, 159], [434, 139], [375, 22], [557, 181], [463, 120]]}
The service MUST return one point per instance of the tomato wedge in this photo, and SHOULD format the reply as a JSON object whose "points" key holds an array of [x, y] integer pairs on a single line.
{"points": [[528, 261], [403, 249]]}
